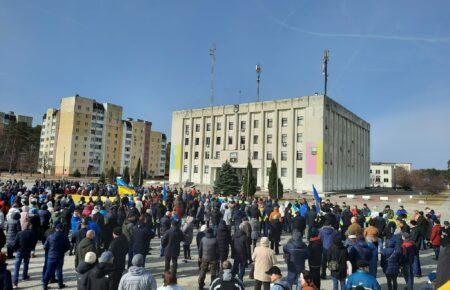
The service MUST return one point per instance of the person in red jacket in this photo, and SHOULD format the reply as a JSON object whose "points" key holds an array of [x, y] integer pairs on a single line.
{"points": [[435, 238]]}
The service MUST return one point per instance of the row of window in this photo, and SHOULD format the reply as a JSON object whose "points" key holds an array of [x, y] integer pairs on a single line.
{"points": [[283, 171], [243, 125], [377, 171], [242, 140], [255, 155]]}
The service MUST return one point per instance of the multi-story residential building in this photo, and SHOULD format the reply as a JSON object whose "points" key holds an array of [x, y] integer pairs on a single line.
{"points": [[313, 139], [48, 142], [136, 144], [158, 143], [383, 174], [10, 117]]}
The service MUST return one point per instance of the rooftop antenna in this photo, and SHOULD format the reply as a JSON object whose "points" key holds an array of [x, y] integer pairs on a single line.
{"points": [[258, 80], [326, 57], [212, 54], [240, 96]]}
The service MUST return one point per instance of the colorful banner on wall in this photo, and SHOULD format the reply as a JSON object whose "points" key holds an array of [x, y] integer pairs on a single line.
{"points": [[314, 158], [175, 157]]}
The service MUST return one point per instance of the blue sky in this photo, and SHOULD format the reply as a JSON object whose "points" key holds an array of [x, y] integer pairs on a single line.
{"points": [[389, 62]]}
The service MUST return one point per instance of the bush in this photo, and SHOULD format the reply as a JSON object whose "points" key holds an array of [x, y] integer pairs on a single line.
{"points": [[76, 173]]}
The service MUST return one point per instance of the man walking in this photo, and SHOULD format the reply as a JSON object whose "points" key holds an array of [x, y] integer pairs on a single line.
{"points": [[171, 244], [208, 255], [55, 246], [295, 255], [24, 244]]}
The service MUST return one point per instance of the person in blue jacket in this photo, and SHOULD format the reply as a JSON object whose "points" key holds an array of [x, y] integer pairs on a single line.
{"points": [[362, 278], [390, 263]]}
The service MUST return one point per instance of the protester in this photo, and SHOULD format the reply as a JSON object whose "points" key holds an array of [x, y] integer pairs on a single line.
{"points": [[56, 245], [83, 270], [171, 244], [435, 238], [188, 232], [264, 259], [277, 280], [337, 260], [315, 248], [5, 274], [137, 277], [119, 249], [208, 255], [169, 282], [86, 245], [101, 276], [24, 244], [362, 278], [390, 263], [227, 280], [240, 253], [295, 255]]}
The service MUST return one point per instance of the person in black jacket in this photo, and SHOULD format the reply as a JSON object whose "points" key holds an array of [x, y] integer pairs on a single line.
{"points": [[119, 249], [240, 253], [141, 239], [24, 244], [298, 223], [390, 263], [310, 217], [5, 274], [84, 269], [380, 224], [295, 254], [171, 243], [223, 240], [55, 246], [101, 276], [164, 227], [227, 279], [275, 235], [338, 255], [315, 249], [208, 254]]}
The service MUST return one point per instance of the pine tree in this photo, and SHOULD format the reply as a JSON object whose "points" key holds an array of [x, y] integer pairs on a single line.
{"points": [[76, 173], [249, 184], [227, 181], [111, 175], [138, 177], [273, 179], [126, 175], [102, 178]]}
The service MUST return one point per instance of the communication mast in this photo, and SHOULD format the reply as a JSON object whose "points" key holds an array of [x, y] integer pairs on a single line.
{"points": [[326, 57], [212, 54], [258, 80]]}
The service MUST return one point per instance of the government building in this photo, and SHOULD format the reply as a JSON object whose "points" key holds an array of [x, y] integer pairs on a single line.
{"points": [[313, 139]]}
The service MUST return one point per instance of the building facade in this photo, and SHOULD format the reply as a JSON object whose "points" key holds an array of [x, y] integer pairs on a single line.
{"points": [[135, 144], [383, 174], [48, 141], [313, 139], [158, 147], [10, 117]]}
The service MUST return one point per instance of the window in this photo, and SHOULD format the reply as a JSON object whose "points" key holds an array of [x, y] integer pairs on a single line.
{"points": [[243, 125], [186, 141], [197, 127], [299, 155], [186, 129], [218, 140], [255, 139], [233, 157], [217, 154], [283, 172], [208, 141], [377, 179], [299, 120], [185, 168], [197, 141], [186, 155], [283, 155], [230, 140], [206, 155], [269, 123], [255, 155], [196, 155], [284, 140], [206, 171], [284, 122], [299, 137], [385, 171], [377, 171], [230, 126], [299, 173], [269, 139], [269, 155], [386, 180], [242, 146], [314, 151], [370, 171], [208, 127], [255, 124], [195, 168], [219, 126]]}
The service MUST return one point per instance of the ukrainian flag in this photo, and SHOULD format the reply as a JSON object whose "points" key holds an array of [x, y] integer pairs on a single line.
{"points": [[123, 188]]}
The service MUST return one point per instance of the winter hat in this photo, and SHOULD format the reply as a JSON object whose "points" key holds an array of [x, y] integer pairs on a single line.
{"points": [[264, 241], [106, 257], [117, 231], [203, 228], [90, 258], [138, 260]]}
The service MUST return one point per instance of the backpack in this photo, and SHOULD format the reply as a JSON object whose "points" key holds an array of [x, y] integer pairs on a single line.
{"points": [[333, 265], [282, 286]]}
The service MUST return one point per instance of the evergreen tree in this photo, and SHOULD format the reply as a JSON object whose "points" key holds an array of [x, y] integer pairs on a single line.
{"points": [[227, 181], [102, 178], [273, 180], [126, 175], [76, 173], [249, 184], [111, 175], [138, 177]]}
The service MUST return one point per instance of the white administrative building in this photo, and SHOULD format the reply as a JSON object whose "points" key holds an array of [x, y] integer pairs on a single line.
{"points": [[313, 139]]}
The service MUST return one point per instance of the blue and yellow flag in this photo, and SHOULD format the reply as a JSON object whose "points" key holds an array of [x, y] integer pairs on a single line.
{"points": [[123, 188]]}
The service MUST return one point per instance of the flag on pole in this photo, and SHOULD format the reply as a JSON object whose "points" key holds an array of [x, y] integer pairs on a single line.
{"points": [[123, 188], [164, 192], [317, 199]]}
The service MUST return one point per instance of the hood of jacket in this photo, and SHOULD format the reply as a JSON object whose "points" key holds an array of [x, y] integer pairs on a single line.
{"points": [[239, 233], [102, 269], [327, 230], [83, 267], [227, 276], [86, 242], [136, 271], [390, 243]]}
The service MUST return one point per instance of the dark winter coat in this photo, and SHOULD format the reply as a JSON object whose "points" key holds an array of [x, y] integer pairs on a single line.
{"points": [[198, 239], [215, 216], [56, 245], [165, 225], [101, 277], [443, 270], [275, 230], [223, 240], [327, 235], [299, 224], [310, 218], [315, 249], [390, 258], [295, 254], [5, 278], [83, 271], [119, 248], [86, 245], [380, 224], [25, 241], [12, 229], [338, 252], [141, 240], [171, 242], [209, 249], [239, 247]]}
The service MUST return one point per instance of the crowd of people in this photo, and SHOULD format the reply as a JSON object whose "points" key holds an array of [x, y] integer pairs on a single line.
{"points": [[109, 237]]}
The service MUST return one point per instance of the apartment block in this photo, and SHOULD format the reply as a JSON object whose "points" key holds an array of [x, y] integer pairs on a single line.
{"points": [[158, 147], [313, 139], [136, 144], [383, 174], [48, 141]]}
